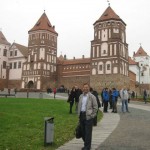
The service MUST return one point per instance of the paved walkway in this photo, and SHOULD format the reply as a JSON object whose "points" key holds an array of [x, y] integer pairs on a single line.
{"points": [[105, 136]]}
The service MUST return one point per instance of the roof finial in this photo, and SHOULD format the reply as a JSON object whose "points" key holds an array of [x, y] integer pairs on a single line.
{"points": [[108, 2], [140, 44]]}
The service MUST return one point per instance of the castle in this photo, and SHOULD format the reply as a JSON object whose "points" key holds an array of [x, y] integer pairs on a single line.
{"points": [[38, 67]]}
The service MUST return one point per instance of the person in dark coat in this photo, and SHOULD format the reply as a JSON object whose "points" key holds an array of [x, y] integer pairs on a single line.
{"points": [[105, 99], [78, 92], [110, 99], [71, 99], [145, 96], [98, 103], [115, 95], [102, 97]]}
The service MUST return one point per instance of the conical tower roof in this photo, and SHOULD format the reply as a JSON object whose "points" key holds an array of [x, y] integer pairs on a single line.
{"points": [[140, 52], [109, 14], [43, 24], [3, 40]]}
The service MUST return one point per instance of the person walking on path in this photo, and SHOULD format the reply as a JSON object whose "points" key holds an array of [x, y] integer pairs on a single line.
{"points": [[124, 98], [87, 109], [105, 99], [54, 91], [145, 96], [114, 100], [71, 99]]}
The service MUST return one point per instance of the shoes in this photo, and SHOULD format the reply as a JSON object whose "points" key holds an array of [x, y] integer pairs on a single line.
{"points": [[112, 111]]}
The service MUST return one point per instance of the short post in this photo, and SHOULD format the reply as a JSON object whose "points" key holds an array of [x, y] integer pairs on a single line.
{"points": [[41, 95], [48, 131], [27, 93]]}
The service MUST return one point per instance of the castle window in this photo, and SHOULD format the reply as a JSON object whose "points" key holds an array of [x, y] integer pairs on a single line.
{"points": [[4, 64], [10, 65], [11, 53], [19, 64], [100, 67], [5, 52], [15, 65], [104, 51], [108, 66], [142, 74], [16, 53]]}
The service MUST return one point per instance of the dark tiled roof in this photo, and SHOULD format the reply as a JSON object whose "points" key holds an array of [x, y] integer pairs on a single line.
{"points": [[77, 61], [109, 14], [43, 24], [132, 62], [140, 52], [3, 40], [22, 49]]}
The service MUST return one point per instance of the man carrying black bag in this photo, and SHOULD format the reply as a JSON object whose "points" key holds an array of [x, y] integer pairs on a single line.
{"points": [[87, 109]]}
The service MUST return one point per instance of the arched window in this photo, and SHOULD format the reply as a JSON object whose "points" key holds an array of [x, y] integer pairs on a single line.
{"points": [[104, 49], [108, 67], [100, 68]]}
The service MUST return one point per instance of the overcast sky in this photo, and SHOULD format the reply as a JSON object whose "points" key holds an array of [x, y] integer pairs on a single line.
{"points": [[73, 20]]}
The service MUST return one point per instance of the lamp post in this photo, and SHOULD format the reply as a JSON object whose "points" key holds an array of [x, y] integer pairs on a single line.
{"points": [[7, 74]]}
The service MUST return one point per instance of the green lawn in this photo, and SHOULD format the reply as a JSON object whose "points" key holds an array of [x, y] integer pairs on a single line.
{"points": [[22, 123]]}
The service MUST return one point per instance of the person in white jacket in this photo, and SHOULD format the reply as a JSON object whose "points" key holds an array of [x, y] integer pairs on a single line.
{"points": [[124, 98]]}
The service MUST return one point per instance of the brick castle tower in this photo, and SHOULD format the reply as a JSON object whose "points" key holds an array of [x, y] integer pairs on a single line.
{"points": [[109, 52], [39, 71]]}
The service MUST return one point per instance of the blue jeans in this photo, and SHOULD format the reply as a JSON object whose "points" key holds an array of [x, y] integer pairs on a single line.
{"points": [[125, 105]]}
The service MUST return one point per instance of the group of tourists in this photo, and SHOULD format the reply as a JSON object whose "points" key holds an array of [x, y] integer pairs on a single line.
{"points": [[87, 105], [110, 97]]}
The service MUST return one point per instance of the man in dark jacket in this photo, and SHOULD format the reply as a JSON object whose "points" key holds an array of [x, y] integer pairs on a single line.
{"points": [[105, 99], [98, 103], [78, 92]]}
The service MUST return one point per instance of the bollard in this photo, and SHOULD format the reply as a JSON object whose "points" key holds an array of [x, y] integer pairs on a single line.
{"points": [[48, 131]]}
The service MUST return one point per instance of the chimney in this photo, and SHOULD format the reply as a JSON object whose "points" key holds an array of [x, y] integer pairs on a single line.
{"points": [[65, 57], [73, 57], [133, 53], [83, 56]]}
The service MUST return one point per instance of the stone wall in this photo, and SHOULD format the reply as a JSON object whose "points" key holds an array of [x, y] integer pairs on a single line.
{"points": [[71, 81], [12, 84], [98, 82]]}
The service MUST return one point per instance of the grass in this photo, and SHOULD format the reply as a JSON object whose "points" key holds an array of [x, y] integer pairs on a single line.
{"points": [[22, 123]]}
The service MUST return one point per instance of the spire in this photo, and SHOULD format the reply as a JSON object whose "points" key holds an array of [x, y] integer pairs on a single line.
{"points": [[43, 24], [109, 14]]}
